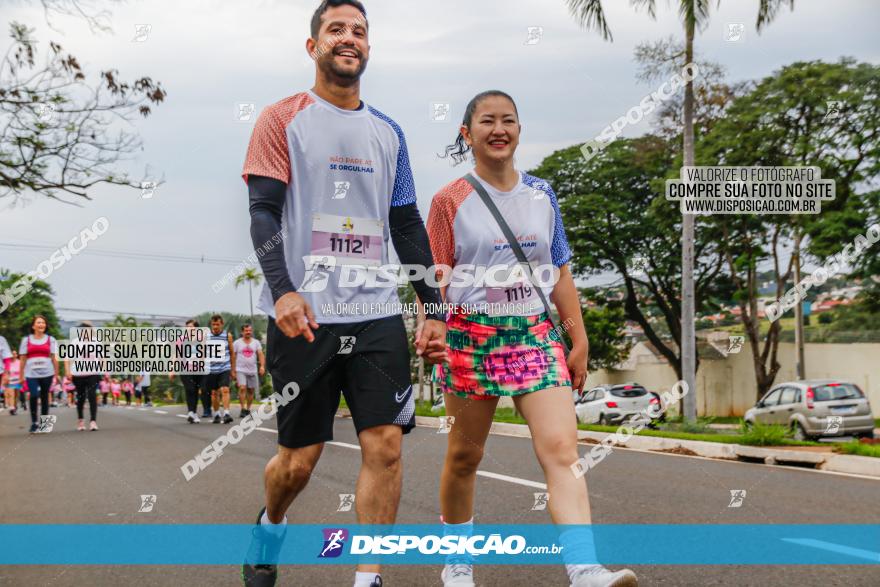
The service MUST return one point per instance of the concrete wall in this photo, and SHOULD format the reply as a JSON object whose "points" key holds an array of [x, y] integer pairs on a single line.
{"points": [[727, 387]]}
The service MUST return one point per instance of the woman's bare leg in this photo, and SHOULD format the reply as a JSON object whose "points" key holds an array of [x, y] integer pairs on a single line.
{"points": [[467, 437]]}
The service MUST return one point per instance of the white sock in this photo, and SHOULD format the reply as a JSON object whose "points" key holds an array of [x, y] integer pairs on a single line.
{"points": [[579, 551], [275, 528], [364, 579], [462, 529]]}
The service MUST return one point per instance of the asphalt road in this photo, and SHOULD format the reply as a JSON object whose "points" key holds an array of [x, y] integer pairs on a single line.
{"points": [[70, 477]]}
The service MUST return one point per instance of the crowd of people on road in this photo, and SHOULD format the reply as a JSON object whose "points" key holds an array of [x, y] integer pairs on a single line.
{"points": [[32, 380], [242, 357]]}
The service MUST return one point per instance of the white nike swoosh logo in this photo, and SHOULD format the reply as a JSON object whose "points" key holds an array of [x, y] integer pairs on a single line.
{"points": [[399, 398]]}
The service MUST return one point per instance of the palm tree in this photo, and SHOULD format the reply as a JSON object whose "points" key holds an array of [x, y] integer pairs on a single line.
{"points": [[694, 13], [252, 277]]}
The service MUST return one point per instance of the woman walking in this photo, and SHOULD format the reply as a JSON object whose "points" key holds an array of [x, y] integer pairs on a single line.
{"points": [[190, 378], [40, 365], [501, 341], [86, 384], [13, 383]]}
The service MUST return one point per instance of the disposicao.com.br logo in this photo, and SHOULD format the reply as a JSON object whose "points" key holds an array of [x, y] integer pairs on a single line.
{"points": [[402, 544]]}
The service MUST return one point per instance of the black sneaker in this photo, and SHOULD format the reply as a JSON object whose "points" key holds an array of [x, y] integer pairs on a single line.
{"points": [[260, 568], [228, 419], [216, 418], [242, 414], [34, 428], [206, 414]]}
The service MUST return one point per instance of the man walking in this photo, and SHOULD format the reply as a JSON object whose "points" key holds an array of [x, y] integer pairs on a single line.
{"points": [[217, 379], [333, 175], [248, 352]]}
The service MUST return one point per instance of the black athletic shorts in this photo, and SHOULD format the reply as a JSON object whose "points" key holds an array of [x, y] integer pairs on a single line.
{"points": [[367, 362], [214, 381]]}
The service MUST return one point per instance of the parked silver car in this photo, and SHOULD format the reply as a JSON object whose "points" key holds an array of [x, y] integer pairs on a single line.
{"points": [[814, 408]]}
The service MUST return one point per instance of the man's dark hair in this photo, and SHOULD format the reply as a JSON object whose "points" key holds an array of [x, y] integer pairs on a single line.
{"points": [[326, 5], [216, 317], [246, 325]]}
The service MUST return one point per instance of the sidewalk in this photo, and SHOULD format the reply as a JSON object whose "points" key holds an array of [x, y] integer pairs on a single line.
{"points": [[820, 457]]}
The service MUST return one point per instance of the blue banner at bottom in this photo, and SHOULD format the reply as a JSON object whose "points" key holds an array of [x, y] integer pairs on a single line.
{"points": [[430, 544]]}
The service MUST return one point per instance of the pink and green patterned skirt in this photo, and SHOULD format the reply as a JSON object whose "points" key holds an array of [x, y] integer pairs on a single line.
{"points": [[491, 356]]}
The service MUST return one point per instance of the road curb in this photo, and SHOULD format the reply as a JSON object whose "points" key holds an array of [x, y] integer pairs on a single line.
{"points": [[837, 463]]}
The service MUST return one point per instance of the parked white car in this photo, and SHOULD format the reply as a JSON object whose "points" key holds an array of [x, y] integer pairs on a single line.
{"points": [[611, 404]]}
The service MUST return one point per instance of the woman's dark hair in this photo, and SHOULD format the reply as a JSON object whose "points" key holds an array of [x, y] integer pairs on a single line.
{"points": [[459, 149], [34, 321], [326, 5], [193, 322]]}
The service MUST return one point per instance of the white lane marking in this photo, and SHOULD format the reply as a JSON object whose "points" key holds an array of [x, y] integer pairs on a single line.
{"points": [[265, 429], [839, 548], [497, 476], [510, 479], [160, 412], [180, 415], [343, 444]]}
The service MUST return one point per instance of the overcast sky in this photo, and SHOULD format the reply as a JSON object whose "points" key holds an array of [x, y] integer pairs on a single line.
{"points": [[212, 55]]}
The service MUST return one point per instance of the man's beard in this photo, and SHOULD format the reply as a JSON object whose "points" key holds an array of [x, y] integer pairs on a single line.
{"points": [[343, 77]]}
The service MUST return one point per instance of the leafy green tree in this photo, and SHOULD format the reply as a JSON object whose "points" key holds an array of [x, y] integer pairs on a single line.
{"points": [[860, 316], [605, 325], [252, 278], [233, 323], [694, 14], [15, 322], [615, 214], [784, 120], [121, 321], [59, 135]]}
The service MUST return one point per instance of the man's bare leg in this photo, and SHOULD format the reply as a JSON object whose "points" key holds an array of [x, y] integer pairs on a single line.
{"points": [[286, 474], [378, 486]]}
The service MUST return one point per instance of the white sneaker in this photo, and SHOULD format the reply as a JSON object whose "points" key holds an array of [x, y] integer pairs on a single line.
{"points": [[195, 418], [458, 575], [599, 576]]}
